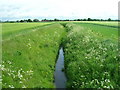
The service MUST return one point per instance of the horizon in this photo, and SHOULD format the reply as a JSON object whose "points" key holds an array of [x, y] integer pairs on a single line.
{"points": [[78, 19]]}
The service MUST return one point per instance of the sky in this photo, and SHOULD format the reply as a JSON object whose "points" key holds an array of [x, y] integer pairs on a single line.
{"points": [[60, 9]]}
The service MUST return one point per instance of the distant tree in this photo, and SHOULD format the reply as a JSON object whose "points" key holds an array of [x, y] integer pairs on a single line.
{"points": [[17, 21], [109, 19], [35, 20], [44, 20], [98, 19], [21, 20], [29, 20], [89, 19], [67, 20], [94, 20], [50, 20], [84, 19], [25, 20], [78, 20], [11, 21], [75, 20], [56, 19]]}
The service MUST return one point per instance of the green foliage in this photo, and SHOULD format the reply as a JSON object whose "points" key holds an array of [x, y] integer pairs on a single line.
{"points": [[21, 20], [89, 19], [35, 20], [91, 61], [56, 19], [29, 59], [109, 19], [29, 20]]}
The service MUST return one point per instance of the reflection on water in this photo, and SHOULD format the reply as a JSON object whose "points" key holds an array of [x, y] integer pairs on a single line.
{"points": [[60, 78]]}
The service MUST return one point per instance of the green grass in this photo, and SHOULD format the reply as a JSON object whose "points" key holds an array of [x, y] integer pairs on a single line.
{"points": [[11, 29], [106, 32], [91, 61], [29, 52], [29, 59], [107, 23]]}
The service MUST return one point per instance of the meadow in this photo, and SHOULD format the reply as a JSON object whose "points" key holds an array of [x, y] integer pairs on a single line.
{"points": [[104, 23], [30, 51], [12, 29], [105, 31]]}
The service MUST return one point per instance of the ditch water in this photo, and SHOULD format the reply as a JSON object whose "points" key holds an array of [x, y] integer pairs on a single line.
{"points": [[60, 78]]}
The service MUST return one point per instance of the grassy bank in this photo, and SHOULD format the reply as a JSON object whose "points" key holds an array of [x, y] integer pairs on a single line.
{"points": [[29, 59], [91, 57]]}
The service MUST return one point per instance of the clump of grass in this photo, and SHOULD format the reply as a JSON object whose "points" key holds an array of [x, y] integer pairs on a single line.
{"points": [[63, 69], [90, 61]]}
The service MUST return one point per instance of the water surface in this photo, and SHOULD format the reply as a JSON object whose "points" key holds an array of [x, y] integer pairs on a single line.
{"points": [[60, 78]]}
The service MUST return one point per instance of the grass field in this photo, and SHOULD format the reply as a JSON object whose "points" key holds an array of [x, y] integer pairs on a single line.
{"points": [[29, 52], [9, 30], [106, 32], [106, 23]]}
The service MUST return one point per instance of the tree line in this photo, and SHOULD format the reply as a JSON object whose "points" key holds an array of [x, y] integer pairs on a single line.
{"points": [[50, 20], [88, 19]]}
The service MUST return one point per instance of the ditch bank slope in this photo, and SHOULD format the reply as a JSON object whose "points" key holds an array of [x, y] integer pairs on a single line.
{"points": [[29, 59], [91, 61]]}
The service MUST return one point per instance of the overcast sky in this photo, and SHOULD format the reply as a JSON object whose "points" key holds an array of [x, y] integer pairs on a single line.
{"points": [[61, 9]]}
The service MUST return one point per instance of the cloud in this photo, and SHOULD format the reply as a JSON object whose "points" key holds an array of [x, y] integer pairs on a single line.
{"points": [[17, 9]]}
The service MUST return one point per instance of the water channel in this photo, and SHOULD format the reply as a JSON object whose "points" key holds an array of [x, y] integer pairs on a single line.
{"points": [[60, 78]]}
